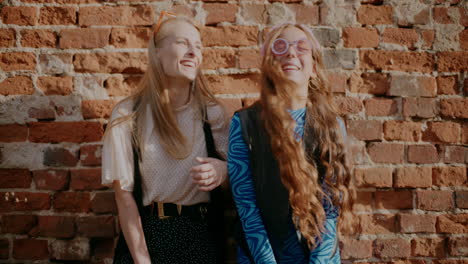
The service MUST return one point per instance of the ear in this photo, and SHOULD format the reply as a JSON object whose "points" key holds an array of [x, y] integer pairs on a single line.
{"points": [[314, 71]]}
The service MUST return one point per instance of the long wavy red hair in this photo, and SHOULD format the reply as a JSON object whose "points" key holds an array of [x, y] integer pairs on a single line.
{"points": [[298, 169]]}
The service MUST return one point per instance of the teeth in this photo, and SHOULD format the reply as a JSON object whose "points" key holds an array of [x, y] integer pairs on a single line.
{"points": [[291, 67], [188, 64]]}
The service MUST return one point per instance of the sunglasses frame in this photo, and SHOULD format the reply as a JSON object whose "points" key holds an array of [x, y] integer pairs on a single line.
{"points": [[160, 20], [288, 44]]}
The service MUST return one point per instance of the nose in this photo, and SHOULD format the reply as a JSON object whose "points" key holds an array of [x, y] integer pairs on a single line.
{"points": [[190, 51], [291, 51]]}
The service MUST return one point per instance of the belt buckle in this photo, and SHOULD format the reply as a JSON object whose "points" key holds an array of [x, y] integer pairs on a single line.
{"points": [[161, 211], [203, 211]]}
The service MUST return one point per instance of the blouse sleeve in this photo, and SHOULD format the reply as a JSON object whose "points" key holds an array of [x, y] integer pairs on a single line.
{"points": [[117, 155], [243, 191], [220, 129]]}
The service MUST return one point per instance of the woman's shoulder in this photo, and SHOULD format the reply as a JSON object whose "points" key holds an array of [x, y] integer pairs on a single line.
{"points": [[122, 109]]}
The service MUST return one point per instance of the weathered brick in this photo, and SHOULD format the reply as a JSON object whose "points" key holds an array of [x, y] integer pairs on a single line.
{"points": [[452, 61], [401, 36], [374, 177], [220, 12], [219, 58], [428, 37], [133, 37], [416, 223], [7, 37], [249, 58], [447, 84], [452, 223], [456, 154], [365, 129], [86, 179], [364, 202], [458, 246], [75, 202], [380, 107], [419, 86], [413, 177], [18, 224], [13, 133], [393, 199], [19, 15], [254, 12], [428, 247], [337, 82], [55, 132], [102, 247], [431, 200], [4, 248], [90, 155], [76, 249], [17, 61], [52, 85], [30, 249], [306, 14], [454, 108], [441, 15], [339, 59], [116, 62], [348, 105], [419, 107], [377, 224], [392, 248], [373, 15], [356, 249], [96, 226], [407, 61], [58, 15], [135, 15], [402, 130], [17, 85], [360, 37], [38, 38], [97, 108], [235, 83], [24, 201], [447, 132], [463, 36], [461, 199], [58, 157], [54, 180], [423, 154], [121, 86], [104, 202], [229, 36], [59, 63], [372, 83], [55, 226], [84, 38], [386, 152], [15, 178], [449, 176]]}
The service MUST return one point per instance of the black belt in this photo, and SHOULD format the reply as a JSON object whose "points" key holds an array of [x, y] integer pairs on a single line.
{"points": [[166, 210]]}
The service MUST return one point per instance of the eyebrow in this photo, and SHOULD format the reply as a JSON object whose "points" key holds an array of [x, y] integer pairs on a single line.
{"points": [[185, 38]]}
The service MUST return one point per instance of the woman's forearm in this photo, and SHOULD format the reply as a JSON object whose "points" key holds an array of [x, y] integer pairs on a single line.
{"points": [[130, 223]]}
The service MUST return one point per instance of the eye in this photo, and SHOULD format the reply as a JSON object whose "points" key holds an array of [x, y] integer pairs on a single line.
{"points": [[303, 45]]}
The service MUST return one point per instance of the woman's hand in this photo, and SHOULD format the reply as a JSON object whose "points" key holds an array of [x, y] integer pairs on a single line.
{"points": [[209, 174]]}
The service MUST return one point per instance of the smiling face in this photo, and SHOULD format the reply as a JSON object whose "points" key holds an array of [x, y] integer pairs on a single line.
{"points": [[180, 50], [296, 62]]}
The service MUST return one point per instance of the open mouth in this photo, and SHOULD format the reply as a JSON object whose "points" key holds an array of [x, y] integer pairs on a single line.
{"points": [[188, 63], [290, 67]]}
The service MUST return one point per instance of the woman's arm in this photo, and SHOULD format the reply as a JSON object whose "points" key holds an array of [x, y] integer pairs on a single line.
{"points": [[243, 191], [130, 223], [327, 251]]}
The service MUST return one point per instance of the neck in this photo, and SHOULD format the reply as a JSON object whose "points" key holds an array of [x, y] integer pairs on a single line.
{"points": [[179, 92], [298, 97]]}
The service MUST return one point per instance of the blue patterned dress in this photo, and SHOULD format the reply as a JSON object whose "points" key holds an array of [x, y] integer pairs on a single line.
{"points": [[240, 175]]}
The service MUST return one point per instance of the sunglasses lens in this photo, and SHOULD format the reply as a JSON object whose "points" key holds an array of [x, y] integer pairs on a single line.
{"points": [[280, 46]]}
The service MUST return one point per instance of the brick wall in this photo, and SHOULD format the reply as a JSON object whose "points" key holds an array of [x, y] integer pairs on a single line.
{"points": [[398, 68]]}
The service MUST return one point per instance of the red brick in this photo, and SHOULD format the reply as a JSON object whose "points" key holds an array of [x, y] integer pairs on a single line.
{"points": [[458, 246], [441, 15], [104, 202], [18, 224], [402, 130], [55, 180], [13, 133], [428, 37], [415, 223], [356, 249], [358, 153], [254, 12], [465, 133], [394, 199], [121, 86], [116, 62], [54, 132], [392, 248], [454, 107], [419, 107], [135, 15], [31, 249], [219, 58], [19, 15], [464, 39], [97, 108], [38, 38], [452, 61], [461, 199], [183, 9], [58, 15], [428, 247], [380, 107], [230, 36], [363, 202], [55, 226], [134, 37], [235, 83], [17, 61], [305, 14], [102, 247], [413, 177], [447, 85], [419, 86], [365, 129], [407, 61], [360, 37], [423, 154], [463, 16], [52, 85], [86, 179], [220, 12], [7, 38], [17, 85], [449, 176], [348, 105], [55, 63], [455, 154], [96, 226], [372, 83], [337, 82], [434, 200], [374, 15], [90, 155], [24, 201], [374, 177], [4, 248], [77, 249], [377, 224], [452, 223], [58, 157], [231, 105], [84, 38], [401, 36], [386, 152], [448, 132], [74, 202], [15, 178], [249, 58]]}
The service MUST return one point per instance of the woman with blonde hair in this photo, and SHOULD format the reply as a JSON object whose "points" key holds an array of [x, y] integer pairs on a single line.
{"points": [[161, 154], [287, 159]]}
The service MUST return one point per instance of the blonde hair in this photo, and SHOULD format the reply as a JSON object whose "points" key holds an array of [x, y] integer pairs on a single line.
{"points": [[298, 170], [152, 94]]}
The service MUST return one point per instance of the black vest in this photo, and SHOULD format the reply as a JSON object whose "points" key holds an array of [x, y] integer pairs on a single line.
{"points": [[271, 195]]}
